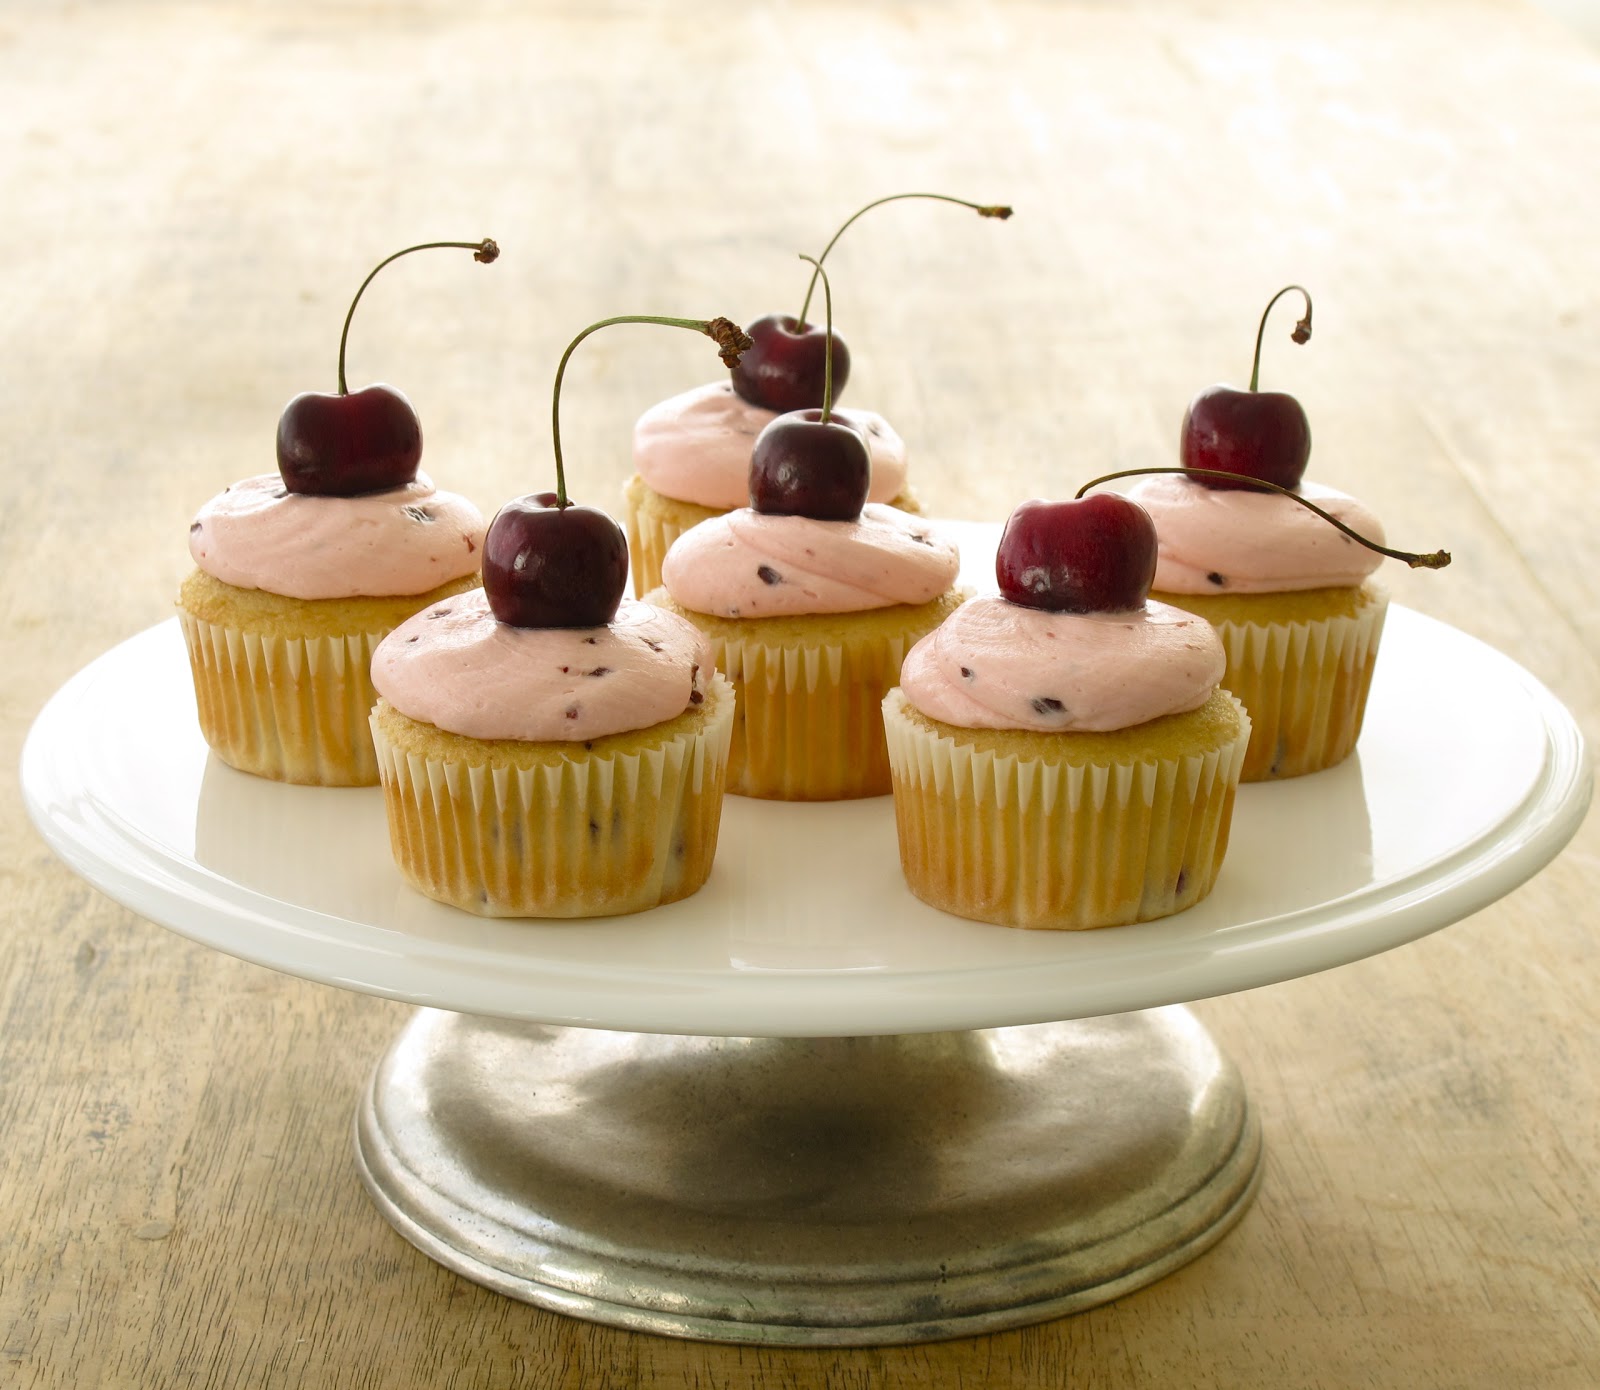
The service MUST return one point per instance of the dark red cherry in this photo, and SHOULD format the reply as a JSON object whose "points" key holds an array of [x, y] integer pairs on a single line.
{"points": [[786, 364], [545, 565], [350, 442], [1254, 434], [341, 446], [1262, 435], [1096, 554], [805, 465], [548, 562]]}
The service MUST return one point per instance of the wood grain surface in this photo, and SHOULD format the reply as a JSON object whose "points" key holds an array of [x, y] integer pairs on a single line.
{"points": [[192, 192]]}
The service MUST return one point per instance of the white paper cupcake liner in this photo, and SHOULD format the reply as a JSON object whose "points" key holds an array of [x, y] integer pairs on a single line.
{"points": [[588, 835], [809, 726], [651, 531], [1027, 842], [292, 709], [1305, 685]]}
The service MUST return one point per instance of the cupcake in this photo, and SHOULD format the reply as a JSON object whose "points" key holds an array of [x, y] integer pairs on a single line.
{"points": [[1242, 544], [546, 748], [1062, 754], [300, 573], [811, 597], [551, 771], [1294, 602], [290, 595], [691, 456], [810, 620]]}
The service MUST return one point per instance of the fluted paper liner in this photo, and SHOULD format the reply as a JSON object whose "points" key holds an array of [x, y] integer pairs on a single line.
{"points": [[651, 530], [292, 709], [1305, 685], [1025, 842], [809, 725], [589, 835]]}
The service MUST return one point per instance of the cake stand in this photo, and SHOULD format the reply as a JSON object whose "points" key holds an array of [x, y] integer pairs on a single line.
{"points": [[802, 1107]]}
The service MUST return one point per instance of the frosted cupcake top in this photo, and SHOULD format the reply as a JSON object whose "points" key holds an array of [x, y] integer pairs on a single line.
{"points": [[993, 664], [748, 564], [695, 447], [1214, 541], [458, 667], [408, 540]]}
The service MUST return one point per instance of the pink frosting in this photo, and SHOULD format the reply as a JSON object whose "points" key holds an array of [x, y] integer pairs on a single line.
{"points": [[456, 666], [1212, 541], [256, 535], [993, 664], [745, 564], [696, 447]]}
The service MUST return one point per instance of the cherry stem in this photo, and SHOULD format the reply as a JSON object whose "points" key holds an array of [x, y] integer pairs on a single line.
{"points": [[827, 346], [982, 209], [484, 251], [1301, 332], [731, 341], [1436, 560]]}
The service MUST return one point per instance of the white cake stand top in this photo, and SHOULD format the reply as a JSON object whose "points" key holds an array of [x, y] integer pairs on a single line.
{"points": [[1468, 779]]}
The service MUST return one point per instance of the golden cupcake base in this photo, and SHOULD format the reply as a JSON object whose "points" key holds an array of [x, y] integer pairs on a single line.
{"points": [[283, 685], [1302, 664], [511, 829], [1065, 831], [809, 724]]}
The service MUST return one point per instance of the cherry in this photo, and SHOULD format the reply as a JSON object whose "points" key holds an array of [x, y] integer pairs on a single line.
{"points": [[808, 464], [1260, 435], [548, 562], [342, 445], [1090, 555], [784, 368], [789, 357], [812, 462]]}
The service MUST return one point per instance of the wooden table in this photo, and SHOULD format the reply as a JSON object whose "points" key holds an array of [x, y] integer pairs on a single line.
{"points": [[191, 195]]}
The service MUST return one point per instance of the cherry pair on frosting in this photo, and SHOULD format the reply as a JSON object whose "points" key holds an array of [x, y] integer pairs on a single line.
{"points": [[1097, 553], [550, 562], [811, 462], [348, 443]]}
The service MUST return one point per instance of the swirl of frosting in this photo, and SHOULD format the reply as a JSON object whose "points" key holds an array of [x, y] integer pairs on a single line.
{"points": [[408, 540], [1214, 541], [993, 664], [695, 447], [456, 666], [747, 564]]}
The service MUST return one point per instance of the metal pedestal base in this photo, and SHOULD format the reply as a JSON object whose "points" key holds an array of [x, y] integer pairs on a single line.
{"points": [[822, 1192]]}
